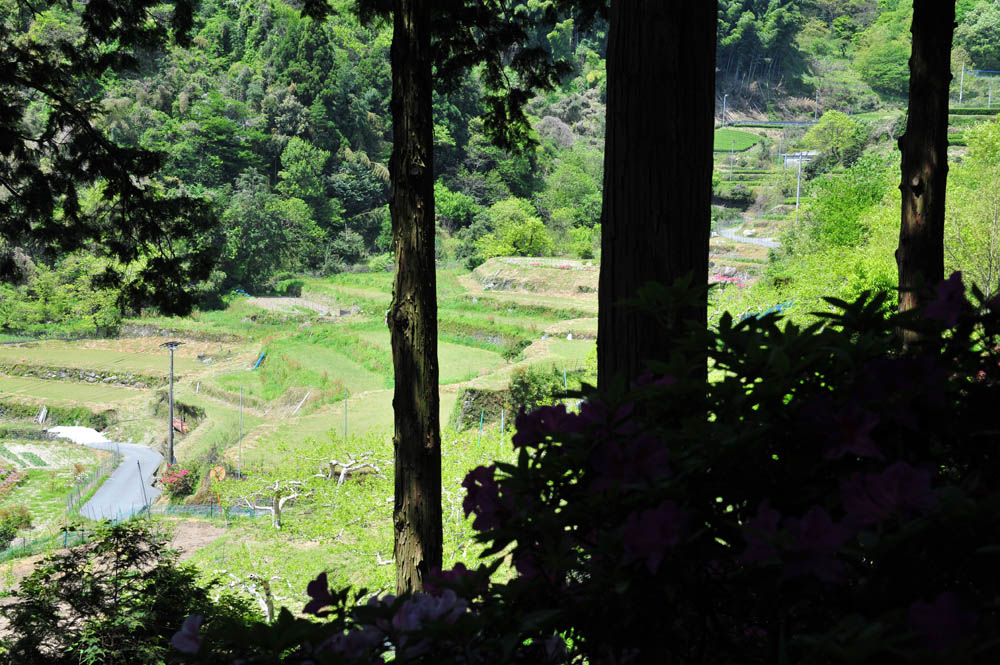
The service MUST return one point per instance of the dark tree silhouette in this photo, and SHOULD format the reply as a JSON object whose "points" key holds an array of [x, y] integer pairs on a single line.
{"points": [[47, 159], [447, 37], [657, 173], [924, 147]]}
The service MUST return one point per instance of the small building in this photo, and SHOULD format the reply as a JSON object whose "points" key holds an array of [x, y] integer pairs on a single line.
{"points": [[805, 156]]}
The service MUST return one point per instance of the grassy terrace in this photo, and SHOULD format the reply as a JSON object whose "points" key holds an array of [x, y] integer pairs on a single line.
{"points": [[328, 355]]}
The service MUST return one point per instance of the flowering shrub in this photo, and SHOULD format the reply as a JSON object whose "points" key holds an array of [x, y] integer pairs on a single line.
{"points": [[832, 499], [178, 482], [723, 280], [10, 477]]}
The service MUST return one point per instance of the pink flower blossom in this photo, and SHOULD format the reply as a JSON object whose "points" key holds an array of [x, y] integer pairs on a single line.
{"points": [[761, 532], [814, 550], [872, 497], [847, 429], [483, 498], [535, 426], [648, 534], [187, 639], [950, 300], [458, 573], [615, 464]]}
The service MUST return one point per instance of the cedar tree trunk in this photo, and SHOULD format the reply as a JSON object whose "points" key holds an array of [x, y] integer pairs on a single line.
{"points": [[657, 172], [412, 316], [920, 256]]}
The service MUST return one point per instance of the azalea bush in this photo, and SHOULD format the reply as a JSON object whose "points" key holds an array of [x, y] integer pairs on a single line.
{"points": [[833, 498], [178, 482]]}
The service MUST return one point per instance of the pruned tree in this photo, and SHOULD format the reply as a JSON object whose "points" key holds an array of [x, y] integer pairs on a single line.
{"points": [[657, 174], [273, 496], [364, 464], [924, 147]]}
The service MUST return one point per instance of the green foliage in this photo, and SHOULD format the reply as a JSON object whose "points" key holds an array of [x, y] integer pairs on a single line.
{"points": [[516, 231], [978, 31], [453, 210], [833, 215], [265, 234], [13, 520], [117, 600], [883, 55], [302, 176], [840, 135], [66, 297], [972, 226], [573, 188]]}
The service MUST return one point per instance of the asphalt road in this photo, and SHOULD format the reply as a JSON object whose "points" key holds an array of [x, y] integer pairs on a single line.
{"points": [[763, 242], [129, 489]]}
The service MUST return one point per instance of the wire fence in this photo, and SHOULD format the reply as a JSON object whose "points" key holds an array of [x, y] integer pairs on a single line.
{"points": [[22, 547], [88, 483]]}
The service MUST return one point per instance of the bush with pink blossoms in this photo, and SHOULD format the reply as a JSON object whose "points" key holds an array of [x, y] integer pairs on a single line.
{"points": [[832, 499]]}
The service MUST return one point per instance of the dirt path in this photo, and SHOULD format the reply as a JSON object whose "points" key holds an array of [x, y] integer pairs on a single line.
{"points": [[189, 536]]}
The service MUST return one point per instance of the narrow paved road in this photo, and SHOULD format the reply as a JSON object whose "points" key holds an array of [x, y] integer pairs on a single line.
{"points": [[129, 488], [763, 242]]}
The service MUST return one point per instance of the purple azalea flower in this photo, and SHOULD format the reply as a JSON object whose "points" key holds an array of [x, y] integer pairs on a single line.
{"points": [[534, 427], [872, 497], [648, 534], [615, 464], [940, 623], [814, 550], [458, 573], [949, 301], [903, 387], [648, 379], [187, 639], [319, 592], [605, 423], [483, 498], [847, 430], [355, 643], [760, 532]]}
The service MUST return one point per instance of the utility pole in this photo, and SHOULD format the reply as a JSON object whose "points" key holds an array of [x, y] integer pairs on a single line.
{"points": [[724, 109], [732, 155], [170, 426], [239, 463], [989, 100], [816, 107], [961, 84], [798, 187]]}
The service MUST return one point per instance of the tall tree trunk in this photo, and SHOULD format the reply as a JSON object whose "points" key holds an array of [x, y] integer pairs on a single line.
{"points": [[920, 256], [657, 172], [413, 314]]}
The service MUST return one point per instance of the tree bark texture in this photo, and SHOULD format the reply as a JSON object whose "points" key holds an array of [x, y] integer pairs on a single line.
{"points": [[924, 147], [412, 316], [657, 171]]}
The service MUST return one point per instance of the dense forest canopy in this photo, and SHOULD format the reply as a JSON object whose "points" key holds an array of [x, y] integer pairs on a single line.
{"points": [[280, 124]]}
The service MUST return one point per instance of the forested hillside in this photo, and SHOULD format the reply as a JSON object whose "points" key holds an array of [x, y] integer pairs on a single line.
{"points": [[282, 124]]}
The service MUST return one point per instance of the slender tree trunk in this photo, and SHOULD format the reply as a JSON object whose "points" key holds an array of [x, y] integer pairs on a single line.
{"points": [[412, 316], [924, 147], [657, 172]]}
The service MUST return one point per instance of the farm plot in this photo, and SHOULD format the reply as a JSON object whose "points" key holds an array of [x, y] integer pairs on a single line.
{"points": [[733, 139], [68, 393], [456, 362], [68, 354], [45, 454]]}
